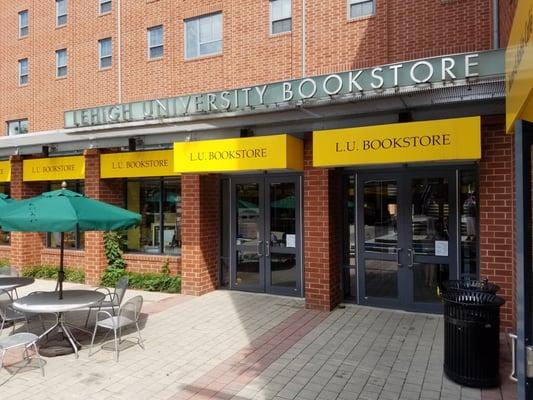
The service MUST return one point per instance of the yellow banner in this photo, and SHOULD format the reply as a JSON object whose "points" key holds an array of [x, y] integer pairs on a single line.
{"points": [[5, 171], [242, 154], [54, 168], [137, 164], [447, 139], [519, 66]]}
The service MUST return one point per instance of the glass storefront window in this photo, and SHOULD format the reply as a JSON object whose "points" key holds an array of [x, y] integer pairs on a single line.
{"points": [[73, 240], [159, 203], [469, 222], [5, 237]]}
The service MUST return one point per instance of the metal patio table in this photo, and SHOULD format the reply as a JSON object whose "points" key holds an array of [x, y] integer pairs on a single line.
{"points": [[12, 282], [49, 303]]}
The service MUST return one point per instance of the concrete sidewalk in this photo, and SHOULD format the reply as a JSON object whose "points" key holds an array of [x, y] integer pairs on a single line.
{"points": [[234, 345]]}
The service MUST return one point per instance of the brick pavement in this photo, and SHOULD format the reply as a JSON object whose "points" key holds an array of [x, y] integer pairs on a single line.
{"points": [[232, 345]]}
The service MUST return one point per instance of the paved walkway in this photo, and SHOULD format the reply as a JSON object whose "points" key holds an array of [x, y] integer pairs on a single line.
{"points": [[232, 345]]}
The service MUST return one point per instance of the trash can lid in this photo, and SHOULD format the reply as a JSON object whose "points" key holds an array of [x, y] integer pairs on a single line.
{"points": [[483, 286]]}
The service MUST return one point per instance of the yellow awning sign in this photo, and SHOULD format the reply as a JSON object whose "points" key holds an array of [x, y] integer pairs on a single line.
{"points": [[439, 140], [53, 168], [519, 66], [277, 152], [137, 164], [5, 171]]}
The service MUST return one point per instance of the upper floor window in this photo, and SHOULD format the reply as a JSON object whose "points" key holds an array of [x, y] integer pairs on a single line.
{"points": [[23, 71], [61, 62], [155, 42], [23, 23], [203, 36], [360, 8], [61, 12], [105, 53], [280, 16], [105, 6], [17, 127]]}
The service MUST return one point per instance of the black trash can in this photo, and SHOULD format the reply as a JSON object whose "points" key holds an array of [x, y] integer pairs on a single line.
{"points": [[472, 337], [471, 286]]}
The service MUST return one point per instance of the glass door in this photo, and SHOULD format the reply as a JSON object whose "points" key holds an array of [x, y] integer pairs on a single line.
{"points": [[248, 272], [407, 238], [266, 235], [282, 247], [431, 240], [380, 249]]}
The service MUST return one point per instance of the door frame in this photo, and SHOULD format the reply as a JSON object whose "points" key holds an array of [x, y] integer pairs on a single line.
{"points": [[264, 180], [404, 178]]}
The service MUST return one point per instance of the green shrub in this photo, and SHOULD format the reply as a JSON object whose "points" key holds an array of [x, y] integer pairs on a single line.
{"points": [[50, 272], [5, 263], [114, 244], [154, 282]]}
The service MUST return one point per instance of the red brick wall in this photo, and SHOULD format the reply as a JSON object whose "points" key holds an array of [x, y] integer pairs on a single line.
{"points": [[321, 234], [497, 204], [200, 200], [5, 253], [507, 11], [400, 30], [72, 258], [151, 263]]}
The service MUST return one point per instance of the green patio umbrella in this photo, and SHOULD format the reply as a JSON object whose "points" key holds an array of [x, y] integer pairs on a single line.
{"points": [[5, 200], [64, 211]]}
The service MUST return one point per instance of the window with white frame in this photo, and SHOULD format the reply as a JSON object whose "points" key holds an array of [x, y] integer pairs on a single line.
{"points": [[105, 53], [105, 6], [360, 8], [61, 12], [203, 36], [17, 127], [280, 16], [23, 71], [155, 42], [23, 23], [61, 62]]}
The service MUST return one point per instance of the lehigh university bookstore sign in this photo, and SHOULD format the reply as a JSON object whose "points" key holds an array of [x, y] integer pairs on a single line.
{"points": [[444, 69]]}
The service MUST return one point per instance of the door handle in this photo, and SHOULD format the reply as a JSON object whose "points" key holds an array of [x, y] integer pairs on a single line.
{"points": [[398, 250], [267, 248], [411, 254], [259, 248]]}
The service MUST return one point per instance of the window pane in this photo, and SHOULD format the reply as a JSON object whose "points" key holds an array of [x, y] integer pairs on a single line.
{"points": [[105, 47], [144, 198], [192, 38], [61, 7], [23, 126], [105, 62], [210, 48], [105, 6], [281, 26], [469, 224], [361, 8], [73, 240], [23, 64], [156, 52], [172, 217], [281, 9], [155, 36], [61, 58], [206, 29]]}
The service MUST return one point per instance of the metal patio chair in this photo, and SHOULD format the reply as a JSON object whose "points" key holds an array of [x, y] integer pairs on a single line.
{"points": [[8, 313], [12, 272], [128, 314], [113, 299], [21, 339]]}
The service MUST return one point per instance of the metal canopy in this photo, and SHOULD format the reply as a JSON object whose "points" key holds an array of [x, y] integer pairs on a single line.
{"points": [[424, 101]]}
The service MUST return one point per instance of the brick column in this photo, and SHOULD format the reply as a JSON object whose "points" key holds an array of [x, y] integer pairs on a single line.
{"points": [[110, 191], [497, 213], [322, 190], [199, 233], [25, 246]]}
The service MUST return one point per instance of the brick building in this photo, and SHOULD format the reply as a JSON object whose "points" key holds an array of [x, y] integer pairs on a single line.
{"points": [[351, 149]]}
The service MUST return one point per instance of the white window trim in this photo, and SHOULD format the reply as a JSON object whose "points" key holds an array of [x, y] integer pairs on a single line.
{"points": [[58, 66], [148, 30], [100, 53], [197, 20], [18, 121], [27, 75], [100, 12], [350, 2], [61, 15], [27, 26], [272, 21]]}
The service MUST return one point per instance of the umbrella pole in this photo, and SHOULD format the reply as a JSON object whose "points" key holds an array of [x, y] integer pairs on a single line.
{"points": [[61, 274]]}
